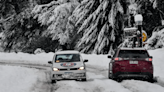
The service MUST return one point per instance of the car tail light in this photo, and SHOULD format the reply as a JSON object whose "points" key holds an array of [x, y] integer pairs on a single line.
{"points": [[149, 59], [117, 59]]}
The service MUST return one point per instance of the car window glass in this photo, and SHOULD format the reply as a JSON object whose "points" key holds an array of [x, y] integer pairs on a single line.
{"points": [[133, 54], [67, 58]]}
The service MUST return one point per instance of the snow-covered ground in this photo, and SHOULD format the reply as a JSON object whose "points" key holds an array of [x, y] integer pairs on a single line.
{"points": [[156, 40], [18, 78]]}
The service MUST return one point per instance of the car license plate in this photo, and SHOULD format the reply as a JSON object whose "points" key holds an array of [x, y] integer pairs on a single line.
{"points": [[133, 62], [67, 74]]}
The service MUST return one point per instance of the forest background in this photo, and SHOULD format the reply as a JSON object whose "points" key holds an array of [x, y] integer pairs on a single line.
{"points": [[90, 26]]}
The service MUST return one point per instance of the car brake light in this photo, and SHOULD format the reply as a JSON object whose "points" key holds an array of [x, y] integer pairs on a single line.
{"points": [[116, 59], [148, 59]]}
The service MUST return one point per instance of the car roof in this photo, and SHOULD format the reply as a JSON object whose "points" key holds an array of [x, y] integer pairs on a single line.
{"points": [[132, 49], [67, 52]]}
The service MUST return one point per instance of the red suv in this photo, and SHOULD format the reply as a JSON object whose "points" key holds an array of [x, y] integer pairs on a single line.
{"points": [[131, 63]]}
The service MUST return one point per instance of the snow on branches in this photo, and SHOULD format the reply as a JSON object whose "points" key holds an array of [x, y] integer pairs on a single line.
{"points": [[90, 26], [96, 20], [156, 40], [55, 15]]}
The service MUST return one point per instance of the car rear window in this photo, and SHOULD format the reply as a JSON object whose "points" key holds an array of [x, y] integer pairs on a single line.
{"points": [[67, 58], [133, 54]]}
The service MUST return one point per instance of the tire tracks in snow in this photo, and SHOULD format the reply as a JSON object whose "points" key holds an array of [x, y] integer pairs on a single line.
{"points": [[97, 71], [104, 72], [44, 85]]}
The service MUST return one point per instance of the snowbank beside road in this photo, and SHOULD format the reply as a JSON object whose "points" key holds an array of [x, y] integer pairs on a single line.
{"points": [[158, 61], [99, 61], [156, 40], [41, 58], [17, 79]]}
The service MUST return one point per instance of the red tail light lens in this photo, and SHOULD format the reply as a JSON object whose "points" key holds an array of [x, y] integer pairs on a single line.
{"points": [[149, 59], [116, 59]]}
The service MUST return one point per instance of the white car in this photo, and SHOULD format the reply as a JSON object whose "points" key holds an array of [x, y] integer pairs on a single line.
{"points": [[68, 65]]}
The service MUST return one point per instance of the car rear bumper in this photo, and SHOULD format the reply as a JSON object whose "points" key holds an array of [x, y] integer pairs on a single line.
{"points": [[145, 75]]}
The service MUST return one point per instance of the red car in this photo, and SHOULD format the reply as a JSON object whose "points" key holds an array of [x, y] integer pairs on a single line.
{"points": [[131, 63]]}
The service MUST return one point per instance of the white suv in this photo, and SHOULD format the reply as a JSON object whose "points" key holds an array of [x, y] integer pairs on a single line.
{"points": [[68, 65]]}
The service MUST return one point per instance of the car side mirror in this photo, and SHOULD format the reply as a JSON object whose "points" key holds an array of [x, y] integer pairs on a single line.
{"points": [[85, 60], [151, 57], [109, 57], [50, 62]]}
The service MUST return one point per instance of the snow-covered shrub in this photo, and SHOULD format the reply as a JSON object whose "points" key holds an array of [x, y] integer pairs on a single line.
{"points": [[39, 50], [156, 40]]}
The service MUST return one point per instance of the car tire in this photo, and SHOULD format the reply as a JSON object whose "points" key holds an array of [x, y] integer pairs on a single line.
{"points": [[53, 81], [84, 79], [110, 75], [151, 80]]}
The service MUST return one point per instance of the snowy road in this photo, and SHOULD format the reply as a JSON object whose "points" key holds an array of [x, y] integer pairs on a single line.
{"points": [[22, 72], [97, 82]]}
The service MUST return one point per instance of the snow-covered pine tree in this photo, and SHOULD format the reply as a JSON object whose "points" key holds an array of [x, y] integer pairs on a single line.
{"points": [[55, 15], [96, 26], [13, 14], [19, 28], [152, 12]]}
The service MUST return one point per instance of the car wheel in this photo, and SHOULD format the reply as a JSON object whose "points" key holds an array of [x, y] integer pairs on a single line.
{"points": [[84, 79], [110, 75], [151, 80], [53, 81]]}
